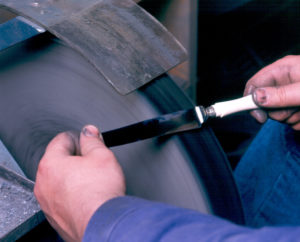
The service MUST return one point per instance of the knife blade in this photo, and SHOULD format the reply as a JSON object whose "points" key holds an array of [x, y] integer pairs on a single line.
{"points": [[172, 123]]}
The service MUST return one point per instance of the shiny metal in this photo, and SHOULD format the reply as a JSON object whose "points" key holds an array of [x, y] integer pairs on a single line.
{"points": [[46, 88], [210, 112], [19, 210], [17, 30], [176, 122], [167, 124], [121, 40]]}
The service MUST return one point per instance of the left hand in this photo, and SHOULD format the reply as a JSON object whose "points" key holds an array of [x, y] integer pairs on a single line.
{"points": [[70, 188], [276, 89]]}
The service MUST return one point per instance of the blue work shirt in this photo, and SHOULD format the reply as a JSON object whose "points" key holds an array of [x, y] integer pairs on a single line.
{"points": [[134, 219], [268, 177]]}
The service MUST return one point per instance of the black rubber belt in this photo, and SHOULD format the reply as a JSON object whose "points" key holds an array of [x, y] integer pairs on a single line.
{"points": [[204, 148]]}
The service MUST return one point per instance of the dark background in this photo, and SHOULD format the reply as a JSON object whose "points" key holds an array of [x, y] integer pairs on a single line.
{"points": [[235, 39]]}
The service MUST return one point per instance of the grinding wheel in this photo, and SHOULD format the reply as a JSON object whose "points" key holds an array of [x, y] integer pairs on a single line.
{"points": [[47, 88]]}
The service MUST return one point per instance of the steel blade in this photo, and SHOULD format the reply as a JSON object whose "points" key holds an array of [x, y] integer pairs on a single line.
{"points": [[172, 123]]}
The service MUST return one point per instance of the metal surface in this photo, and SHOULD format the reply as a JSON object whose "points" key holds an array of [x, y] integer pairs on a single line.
{"points": [[17, 30], [180, 121], [163, 125], [48, 89], [19, 211], [8, 161], [126, 44]]}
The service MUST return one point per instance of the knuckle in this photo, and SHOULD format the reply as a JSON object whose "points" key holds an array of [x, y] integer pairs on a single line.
{"points": [[36, 192], [93, 148], [106, 157], [43, 166], [250, 87], [101, 151], [287, 58], [282, 96], [107, 154], [280, 115], [57, 141], [295, 118], [296, 126]]}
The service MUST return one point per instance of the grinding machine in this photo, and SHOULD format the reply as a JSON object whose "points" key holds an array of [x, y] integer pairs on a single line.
{"points": [[104, 63]]}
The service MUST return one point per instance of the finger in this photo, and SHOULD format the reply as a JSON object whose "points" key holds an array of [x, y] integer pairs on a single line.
{"points": [[295, 118], [296, 126], [261, 79], [281, 115], [61, 145], [275, 74], [278, 97], [260, 115], [268, 76], [75, 135], [90, 140]]}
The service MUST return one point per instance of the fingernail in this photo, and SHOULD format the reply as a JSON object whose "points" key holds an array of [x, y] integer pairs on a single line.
{"points": [[260, 96], [90, 131]]}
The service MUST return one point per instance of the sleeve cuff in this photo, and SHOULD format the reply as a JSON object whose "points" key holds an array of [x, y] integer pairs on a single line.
{"points": [[134, 219], [108, 216]]}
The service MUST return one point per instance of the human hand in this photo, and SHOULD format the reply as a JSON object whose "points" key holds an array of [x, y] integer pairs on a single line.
{"points": [[69, 187], [276, 88]]}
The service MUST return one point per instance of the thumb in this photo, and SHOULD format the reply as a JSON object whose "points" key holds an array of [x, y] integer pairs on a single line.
{"points": [[278, 97], [90, 140]]}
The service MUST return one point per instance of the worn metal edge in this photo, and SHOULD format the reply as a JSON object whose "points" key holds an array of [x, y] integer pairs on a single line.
{"points": [[76, 48], [32, 221]]}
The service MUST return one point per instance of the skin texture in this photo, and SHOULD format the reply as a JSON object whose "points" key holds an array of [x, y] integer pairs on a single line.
{"points": [[275, 89], [62, 189]]}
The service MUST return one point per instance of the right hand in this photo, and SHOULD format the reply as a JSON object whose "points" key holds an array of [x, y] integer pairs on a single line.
{"points": [[276, 89]]}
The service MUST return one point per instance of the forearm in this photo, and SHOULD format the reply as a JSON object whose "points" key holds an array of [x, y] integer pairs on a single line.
{"points": [[133, 219]]}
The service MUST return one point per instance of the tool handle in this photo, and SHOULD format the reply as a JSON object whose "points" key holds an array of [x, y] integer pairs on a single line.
{"points": [[237, 105]]}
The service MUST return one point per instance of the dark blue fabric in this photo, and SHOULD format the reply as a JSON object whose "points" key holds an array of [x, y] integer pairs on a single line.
{"points": [[268, 177], [137, 220]]}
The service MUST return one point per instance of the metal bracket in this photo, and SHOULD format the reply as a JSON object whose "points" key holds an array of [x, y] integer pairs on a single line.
{"points": [[17, 30], [125, 44]]}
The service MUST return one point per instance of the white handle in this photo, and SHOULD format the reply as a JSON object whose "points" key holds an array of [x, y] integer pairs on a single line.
{"points": [[228, 107]]}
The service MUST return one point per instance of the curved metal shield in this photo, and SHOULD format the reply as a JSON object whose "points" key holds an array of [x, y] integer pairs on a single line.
{"points": [[125, 44]]}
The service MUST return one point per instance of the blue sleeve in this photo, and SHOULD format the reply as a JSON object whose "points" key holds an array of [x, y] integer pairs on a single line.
{"points": [[133, 219]]}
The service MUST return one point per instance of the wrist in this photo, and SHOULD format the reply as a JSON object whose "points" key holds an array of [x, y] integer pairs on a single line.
{"points": [[87, 209]]}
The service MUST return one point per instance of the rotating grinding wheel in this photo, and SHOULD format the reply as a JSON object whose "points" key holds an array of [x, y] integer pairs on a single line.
{"points": [[46, 88], [49, 88]]}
